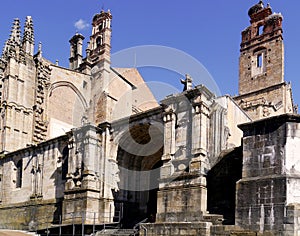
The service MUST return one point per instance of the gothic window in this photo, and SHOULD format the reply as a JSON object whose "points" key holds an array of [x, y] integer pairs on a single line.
{"points": [[19, 174], [65, 158]]}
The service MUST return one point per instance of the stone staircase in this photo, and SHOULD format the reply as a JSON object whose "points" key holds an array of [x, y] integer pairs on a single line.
{"points": [[117, 232]]}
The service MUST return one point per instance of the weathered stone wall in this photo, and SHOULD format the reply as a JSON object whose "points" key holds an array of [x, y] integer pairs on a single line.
{"points": [[272, 101], [40, 189], [270, 179], [175, 204], [17, 101], [30, 215], [273, 60]]}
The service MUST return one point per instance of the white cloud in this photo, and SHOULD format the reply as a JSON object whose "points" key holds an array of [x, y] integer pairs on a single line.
{"points": [[81, 24]]}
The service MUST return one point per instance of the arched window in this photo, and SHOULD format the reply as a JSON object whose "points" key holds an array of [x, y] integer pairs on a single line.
{"points": [[19, 174], [101, 26], [99, 41], [65, 158]]}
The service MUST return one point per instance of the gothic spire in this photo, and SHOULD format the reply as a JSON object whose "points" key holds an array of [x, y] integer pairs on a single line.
{"points": [[14, 40], [28, 36], [15, 36]]}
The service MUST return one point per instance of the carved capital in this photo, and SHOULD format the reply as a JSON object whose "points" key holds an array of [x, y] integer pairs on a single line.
{"points": [[201, 108], [169, 114]]}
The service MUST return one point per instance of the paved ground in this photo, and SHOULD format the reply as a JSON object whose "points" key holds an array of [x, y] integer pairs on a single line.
{"points": [[12, 233]]}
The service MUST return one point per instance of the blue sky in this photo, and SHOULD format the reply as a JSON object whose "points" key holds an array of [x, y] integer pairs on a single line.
{"points": [[209, 31]]}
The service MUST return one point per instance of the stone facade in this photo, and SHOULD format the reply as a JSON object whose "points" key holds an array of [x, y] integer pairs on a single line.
{"points": [[89, 144]]}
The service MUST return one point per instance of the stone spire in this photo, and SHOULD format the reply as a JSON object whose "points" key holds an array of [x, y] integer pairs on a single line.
{"points": [[28, 37], [15, 36], [14, 40]]}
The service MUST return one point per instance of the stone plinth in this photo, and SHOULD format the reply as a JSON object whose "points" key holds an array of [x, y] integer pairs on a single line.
{"points": [[182, 200], [180, 228]]}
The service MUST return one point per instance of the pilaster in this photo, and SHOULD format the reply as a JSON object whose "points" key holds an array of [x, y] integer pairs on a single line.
{"points": [[82, 192], [182, 194], [169, 118], [199, 162]]}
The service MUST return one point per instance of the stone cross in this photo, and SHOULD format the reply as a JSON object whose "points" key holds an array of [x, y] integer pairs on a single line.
{"points": [[188, 82]]}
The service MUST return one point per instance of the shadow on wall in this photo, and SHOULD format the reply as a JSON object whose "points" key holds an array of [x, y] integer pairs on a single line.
{"points": [[221, 185]]}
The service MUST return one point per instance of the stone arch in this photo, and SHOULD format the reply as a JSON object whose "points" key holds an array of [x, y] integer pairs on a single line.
{"points": [[72, 86], [67, 107], [139, 170]]}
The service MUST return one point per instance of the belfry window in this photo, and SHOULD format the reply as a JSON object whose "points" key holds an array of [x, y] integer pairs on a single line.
{"points": [[101, 26], [99, 41], [259, 60], [260, 30], [19, 174], [258, 66]]}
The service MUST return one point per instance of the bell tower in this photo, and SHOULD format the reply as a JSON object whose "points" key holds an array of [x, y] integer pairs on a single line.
{"points": [[100, 40], [262, 89], [97, 63], [262, 50], [76, 51]]}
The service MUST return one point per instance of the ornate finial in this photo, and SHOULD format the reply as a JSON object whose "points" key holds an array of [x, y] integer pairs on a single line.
{"points": [[188, 82], [28, 36]]}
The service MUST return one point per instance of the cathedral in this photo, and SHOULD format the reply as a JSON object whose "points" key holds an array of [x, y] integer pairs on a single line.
{"points": [[87, 150]]}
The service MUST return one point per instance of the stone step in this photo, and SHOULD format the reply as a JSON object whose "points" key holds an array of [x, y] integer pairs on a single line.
{"points": [[213, 218], [4, 232], [116, 232]]}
